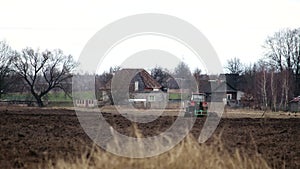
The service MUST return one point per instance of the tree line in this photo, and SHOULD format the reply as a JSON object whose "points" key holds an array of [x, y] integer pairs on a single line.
{"points": [[269, 83], [274, 79]]}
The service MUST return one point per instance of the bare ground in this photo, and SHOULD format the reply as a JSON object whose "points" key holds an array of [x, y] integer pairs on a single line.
{"points": [[32, 136]]}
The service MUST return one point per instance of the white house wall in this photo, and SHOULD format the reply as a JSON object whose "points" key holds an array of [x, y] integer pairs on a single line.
{"points": [[160, 101]]}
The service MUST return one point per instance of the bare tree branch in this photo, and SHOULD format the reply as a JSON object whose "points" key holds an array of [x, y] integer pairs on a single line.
{"points": [[44, 71], [235, 66], [6, 54]]}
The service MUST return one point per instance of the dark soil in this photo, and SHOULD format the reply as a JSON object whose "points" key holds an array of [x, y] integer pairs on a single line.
{"points": [[31, 136]]}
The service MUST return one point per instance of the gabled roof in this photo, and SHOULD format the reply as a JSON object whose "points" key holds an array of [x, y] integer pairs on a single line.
{"points": [[222, 83], [204, 86], [224, 87], [124, 75], [171, 83], [215, 86], [233, 80], [149, 81]]}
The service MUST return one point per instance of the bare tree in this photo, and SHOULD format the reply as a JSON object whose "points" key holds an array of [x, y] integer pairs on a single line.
{"points": [[248, 81], [262, 78], [197, 76], [197, 73], [102, 83], [44, 71], [114, 69], [285, 88], [234, 66], [6, 54], [160, 75], [274, 89], [185, 78], [182, 70], [283, 51]]}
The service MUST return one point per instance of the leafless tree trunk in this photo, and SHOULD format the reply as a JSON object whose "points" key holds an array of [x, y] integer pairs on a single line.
{"points": [[262, 83], [103, 84], [283, 50], [43, 71], [197, 76], [264, 89], [273, 91], [286, 88], [283, 79], [6, 53]]}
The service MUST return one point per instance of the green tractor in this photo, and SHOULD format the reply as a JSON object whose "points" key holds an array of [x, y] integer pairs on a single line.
{"points": [[197, 106]]}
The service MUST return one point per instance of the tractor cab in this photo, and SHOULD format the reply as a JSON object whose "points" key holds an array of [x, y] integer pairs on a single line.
{"points": [[197, 106]]}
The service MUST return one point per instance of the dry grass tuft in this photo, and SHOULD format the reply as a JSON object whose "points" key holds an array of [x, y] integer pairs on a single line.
{"points": [[188, 154]]}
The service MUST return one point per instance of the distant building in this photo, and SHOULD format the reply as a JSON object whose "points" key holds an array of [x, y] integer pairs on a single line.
{"points": [[139, 84], [294, 104], [222, 88]]}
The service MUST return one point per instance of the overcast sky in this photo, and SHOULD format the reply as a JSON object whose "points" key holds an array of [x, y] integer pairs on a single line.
{"points": [[235, 28]]}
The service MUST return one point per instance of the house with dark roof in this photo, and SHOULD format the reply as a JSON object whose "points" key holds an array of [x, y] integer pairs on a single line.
{"points": [[135, 85], [134, 80], [130, 85], [225, 87]]}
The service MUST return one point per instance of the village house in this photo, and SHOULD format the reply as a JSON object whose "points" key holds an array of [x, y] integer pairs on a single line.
{"points": [[225, 88], [134, 86], [138, 86]]}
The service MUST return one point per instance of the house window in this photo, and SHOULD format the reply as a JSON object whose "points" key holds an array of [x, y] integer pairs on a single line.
{"points": [[229, 96], [136, 86], [151, 98]]}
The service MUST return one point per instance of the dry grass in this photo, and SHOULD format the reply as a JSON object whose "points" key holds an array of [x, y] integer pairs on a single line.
{"points": [[188, 154], [250, 113]]}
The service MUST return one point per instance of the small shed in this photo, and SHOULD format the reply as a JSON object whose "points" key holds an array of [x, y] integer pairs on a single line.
{"points": [[294, 104]]}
